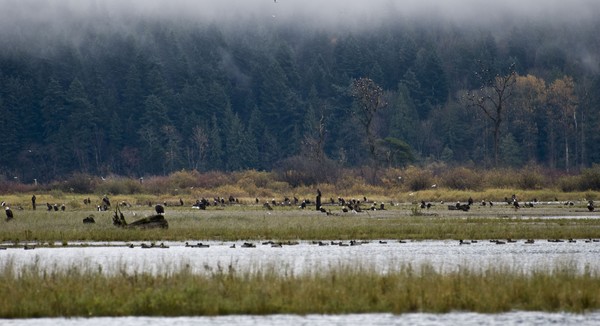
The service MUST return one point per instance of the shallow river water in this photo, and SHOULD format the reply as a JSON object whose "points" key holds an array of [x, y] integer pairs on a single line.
{"points": [[307, 257], [455, 318]]}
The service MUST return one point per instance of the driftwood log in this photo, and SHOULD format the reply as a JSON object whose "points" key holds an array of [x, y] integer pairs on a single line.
{"points": [[150, 222]]}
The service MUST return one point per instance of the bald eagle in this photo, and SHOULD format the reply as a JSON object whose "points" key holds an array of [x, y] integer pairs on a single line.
{"points": [[159, 209], [9, 213]]}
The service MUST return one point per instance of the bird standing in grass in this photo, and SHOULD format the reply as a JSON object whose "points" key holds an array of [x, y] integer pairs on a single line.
{"points": [[160, 209], [9, 213]]}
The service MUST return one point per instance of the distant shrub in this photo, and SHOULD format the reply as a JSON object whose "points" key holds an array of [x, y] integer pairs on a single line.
{"points": [[213, 179], [80, 183], [259, 178], [156, 185], [299, 170], [499, 179], [225, 191], [184, 179], [530, 178], [589, 179], [349, 181], [9, 187], [415, 179], [279, 187], [461, 178], [57, 193], [248, 185], [119, 186], [568, 183], [391, 178], [364, 190]]}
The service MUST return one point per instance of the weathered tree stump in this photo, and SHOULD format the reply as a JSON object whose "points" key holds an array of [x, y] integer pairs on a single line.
{"points": [[150, 222]]}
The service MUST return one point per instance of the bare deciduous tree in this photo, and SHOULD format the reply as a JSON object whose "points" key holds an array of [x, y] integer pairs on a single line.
{"points": [[197, 150], [369, 100], [492, 98]]}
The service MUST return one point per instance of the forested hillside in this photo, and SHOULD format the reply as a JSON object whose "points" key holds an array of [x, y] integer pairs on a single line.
{"points": [[154, 96]]}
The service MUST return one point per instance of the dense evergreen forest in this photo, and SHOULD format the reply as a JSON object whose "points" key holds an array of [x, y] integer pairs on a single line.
{"points": [[161, 95]]}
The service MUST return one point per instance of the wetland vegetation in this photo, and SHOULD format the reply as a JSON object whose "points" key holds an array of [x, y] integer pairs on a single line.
{"points": [[33, 291], [83, 292]]}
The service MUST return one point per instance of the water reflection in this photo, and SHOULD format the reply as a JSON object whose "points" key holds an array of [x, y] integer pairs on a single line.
{"points": [[456, 318], [307, 257]]}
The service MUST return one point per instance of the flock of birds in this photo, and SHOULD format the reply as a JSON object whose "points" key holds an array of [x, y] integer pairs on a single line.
{"points": [[346, 206], [352, 205], [513, 201], [527, 241], [351, 243]]}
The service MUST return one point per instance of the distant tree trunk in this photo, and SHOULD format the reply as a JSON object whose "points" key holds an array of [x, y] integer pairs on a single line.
{"points": [[369, 97], [492, 99], [567, 154], [552, 148], [565, 102]]}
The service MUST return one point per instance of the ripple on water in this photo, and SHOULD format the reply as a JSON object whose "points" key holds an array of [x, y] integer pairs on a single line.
{"points": [[445, 256], [454, 318]]}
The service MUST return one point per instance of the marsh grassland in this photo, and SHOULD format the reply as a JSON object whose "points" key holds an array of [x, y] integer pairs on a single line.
{"points": [[247, 220], [79, 292], [34, 291]]}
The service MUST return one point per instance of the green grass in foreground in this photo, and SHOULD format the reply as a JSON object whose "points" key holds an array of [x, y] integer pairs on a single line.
{"points": [[252, 222], [79, 292]]}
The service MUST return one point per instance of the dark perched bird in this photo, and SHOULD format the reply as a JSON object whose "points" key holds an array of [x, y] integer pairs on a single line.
{"points": [[49, 206], [89, 220], [9, 213], [160, 209], [590, 206], [63, 207], [180, 201]]}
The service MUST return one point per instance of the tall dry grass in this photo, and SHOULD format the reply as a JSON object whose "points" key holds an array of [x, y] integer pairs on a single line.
{"points": [[348, 182], [79, 291]]}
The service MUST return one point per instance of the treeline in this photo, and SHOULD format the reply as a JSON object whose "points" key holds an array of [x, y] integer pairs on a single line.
{"points": [[168, 96]]}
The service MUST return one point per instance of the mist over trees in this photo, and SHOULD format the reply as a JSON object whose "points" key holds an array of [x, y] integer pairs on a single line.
{"points": [[161, 95]]}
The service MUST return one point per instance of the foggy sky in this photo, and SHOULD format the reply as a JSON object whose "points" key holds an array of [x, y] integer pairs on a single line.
{"points": [[327, 12], [37, 25]]}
